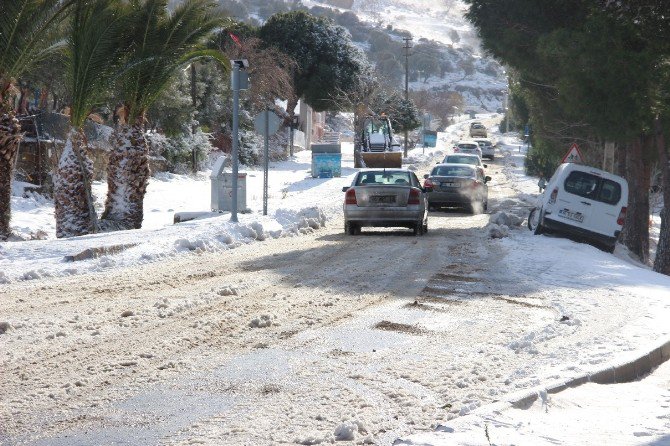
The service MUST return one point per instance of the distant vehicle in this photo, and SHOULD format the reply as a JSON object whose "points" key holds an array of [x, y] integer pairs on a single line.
{"points": [[468, 147], [465, 158], [478, 129], [584, 202], [457, 185], [385, 198], [379, 146], [488, 151]]}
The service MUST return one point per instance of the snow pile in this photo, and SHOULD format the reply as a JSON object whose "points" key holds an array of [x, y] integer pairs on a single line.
{"points": [[497, 231], [503, 218], [348, 430], [500, 224], [265, 320]]}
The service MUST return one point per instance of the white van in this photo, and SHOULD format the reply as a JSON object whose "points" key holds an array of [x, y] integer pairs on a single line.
{"points": [[582, 201]]}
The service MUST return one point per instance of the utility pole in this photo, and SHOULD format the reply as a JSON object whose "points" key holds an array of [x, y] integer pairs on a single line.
{"points": [[407, 47]]}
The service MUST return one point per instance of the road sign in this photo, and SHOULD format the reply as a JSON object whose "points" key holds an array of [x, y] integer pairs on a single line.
{"points": [[273, 122], [574, 155], [266, 123]]}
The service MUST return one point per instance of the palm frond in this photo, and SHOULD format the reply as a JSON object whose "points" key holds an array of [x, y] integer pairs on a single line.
{"points": [[28, 33], [97, 45], [163, 45]]}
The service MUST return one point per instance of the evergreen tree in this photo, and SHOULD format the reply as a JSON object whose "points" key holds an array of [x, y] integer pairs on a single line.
{"points": [[592, 72], [328, 62]]}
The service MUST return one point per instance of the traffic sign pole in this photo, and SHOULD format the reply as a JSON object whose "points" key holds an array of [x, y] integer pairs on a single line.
{"points": [[267, 162], [235, 160]]}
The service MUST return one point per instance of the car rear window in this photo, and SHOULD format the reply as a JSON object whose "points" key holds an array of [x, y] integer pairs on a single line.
{"points": [[468, 146], [593, 187], [383, 178], [452, 171], [462, 159]]}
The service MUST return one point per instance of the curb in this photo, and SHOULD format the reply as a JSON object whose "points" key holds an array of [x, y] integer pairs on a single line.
{"points": [[614, 374]]}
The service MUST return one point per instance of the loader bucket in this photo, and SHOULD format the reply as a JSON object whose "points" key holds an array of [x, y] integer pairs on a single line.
{"points": [[382, 159]]}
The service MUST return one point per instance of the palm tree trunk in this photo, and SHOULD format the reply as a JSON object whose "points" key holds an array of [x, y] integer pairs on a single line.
{"points": [[128, 175], [73, 199], [10, 136]]}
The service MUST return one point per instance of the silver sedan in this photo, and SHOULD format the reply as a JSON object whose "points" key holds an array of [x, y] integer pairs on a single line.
{"points": [[385, 198]]}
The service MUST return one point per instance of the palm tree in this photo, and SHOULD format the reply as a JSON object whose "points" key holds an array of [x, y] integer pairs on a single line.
{"points": [[97, 44], [27, 36], [162, 44]]}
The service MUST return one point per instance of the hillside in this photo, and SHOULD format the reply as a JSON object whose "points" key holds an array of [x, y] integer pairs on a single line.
{"points": [[446, 57]]}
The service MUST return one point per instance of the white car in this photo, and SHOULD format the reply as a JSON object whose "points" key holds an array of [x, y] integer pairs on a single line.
{"points": [[468, 147], [464, 158], [583, 202], [488, 151]]}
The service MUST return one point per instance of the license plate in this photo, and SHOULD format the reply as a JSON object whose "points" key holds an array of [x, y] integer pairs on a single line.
{"points": [[451, 184], [570, 215], [382, 199]]}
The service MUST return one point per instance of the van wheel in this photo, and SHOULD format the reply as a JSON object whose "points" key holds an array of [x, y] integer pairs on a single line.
{"points": [[534, 221], [608, 248], [539, 229]]}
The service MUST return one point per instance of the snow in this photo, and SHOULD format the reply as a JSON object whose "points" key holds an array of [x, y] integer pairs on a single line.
{"points": [[507, 316], [576, 276], [294, 203]]}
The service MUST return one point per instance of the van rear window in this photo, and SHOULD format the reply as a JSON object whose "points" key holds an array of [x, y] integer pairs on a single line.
{"points": [[593, 187]]}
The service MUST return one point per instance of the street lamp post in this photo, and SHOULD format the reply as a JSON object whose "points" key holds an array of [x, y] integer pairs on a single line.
{"points": [[239, 81]]}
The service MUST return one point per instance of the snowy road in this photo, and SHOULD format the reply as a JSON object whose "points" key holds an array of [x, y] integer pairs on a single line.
{"points": [[317, 338]]}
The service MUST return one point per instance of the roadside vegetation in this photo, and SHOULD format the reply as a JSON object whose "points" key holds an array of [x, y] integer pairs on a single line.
{"points": [[595, 73], [157, 73]]}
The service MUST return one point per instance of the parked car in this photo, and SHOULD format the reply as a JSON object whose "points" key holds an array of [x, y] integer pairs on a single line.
{"points": [[385, 198], [488, 151], [464, 158], [457, 185], [478, 129], [584, 202], [468, 147]]}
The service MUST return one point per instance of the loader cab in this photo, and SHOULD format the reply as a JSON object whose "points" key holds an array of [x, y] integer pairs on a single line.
{"points": [[377, 135]]}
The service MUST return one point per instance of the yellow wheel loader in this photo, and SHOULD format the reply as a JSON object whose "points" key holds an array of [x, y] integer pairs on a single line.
{"points": [[378, 147]]}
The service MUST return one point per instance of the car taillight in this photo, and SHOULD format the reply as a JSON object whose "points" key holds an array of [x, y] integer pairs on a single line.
{"points": [[428, 183], [413, 196], [552, 197], [622, 216], [456, 149], [350, 197]]}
